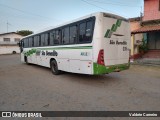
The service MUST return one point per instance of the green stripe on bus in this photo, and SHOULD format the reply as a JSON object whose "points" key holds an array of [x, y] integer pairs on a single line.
{"points": [[114, 27], [107, 33], [118, 23], [100, 69], [30, 52], [61, 48]]}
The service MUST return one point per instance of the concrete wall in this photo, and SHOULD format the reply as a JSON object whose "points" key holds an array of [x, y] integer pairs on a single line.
{"points": [[10, 46], [9, 49], [134, 46], [135, 25], [151, 10], [12, 37]]}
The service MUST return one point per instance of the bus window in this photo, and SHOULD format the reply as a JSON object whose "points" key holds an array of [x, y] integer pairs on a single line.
{"points": [[42, 39], [65, 36], [31, 42], [25, 44], [46, 39], [89, 31], [52, 36], [35, 41], [82, 30], [57, 39], [73, 34], [22, 43], [39, 39]]}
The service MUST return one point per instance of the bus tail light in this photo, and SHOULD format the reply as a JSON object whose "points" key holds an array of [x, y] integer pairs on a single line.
{"points": [[101, 57]]}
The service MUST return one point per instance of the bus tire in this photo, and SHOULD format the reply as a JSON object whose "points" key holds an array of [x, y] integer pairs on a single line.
{"points": [[14, 52], [26, 60], [54, 67]]}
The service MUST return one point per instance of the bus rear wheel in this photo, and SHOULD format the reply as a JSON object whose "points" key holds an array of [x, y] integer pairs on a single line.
{"points": [[54, 67], [26, 60]]}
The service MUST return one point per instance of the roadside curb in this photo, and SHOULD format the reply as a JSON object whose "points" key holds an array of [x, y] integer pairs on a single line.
{"points": [[9, 54], [146, 64]]}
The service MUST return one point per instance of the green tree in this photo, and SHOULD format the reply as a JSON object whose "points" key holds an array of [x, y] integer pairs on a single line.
{"points": [[24, 32]]}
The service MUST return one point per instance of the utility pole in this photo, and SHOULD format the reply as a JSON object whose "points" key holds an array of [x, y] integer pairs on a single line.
{"points": [[141, 16], [7, 26]]}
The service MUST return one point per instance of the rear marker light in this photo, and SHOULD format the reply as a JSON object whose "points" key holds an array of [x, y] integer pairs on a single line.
{"points": [[100, 59]]}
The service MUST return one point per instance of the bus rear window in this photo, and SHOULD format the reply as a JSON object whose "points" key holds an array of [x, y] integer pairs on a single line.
{"points": [[89, 31], [85, 32]]}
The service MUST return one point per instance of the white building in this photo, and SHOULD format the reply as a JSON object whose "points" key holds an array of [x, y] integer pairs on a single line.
{"points": [[8, 43]]}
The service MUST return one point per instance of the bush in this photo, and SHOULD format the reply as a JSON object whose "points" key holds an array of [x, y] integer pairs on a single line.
{"points": [[143, 47]]}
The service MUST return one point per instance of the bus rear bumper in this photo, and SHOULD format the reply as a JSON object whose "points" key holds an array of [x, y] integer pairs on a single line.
{"points": [[100, 69]]}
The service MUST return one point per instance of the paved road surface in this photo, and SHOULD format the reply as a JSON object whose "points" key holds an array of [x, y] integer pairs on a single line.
{"points": [[31, 87]]}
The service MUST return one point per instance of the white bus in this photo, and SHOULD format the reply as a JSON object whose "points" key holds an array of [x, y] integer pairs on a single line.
{"points": [[95, 44]]}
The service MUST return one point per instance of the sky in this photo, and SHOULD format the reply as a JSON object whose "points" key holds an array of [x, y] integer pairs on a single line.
{"points": [[36, 15]]}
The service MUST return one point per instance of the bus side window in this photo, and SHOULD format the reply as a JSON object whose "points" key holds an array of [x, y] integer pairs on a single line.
{"points": [[89, 31], [65, 35], [46, 39], [57, 39], [42, 39], [31, 42], [35, 41], [26, 43], [39, 39], [82, 32], [22, 43], [73, 34], [52, 36]]}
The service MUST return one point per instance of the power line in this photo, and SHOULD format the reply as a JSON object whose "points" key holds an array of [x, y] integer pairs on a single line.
{"points": [[28, 12], [20, 23], [99, 7], [14, 16], [95, 5], [118, 4], [129, 1]]}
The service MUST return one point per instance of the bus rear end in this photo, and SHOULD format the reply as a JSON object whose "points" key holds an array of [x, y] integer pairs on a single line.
{"points": [[114, 50]]}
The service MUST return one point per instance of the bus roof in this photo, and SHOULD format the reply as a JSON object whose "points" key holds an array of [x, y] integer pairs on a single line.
{"points": [[75, 20]]}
